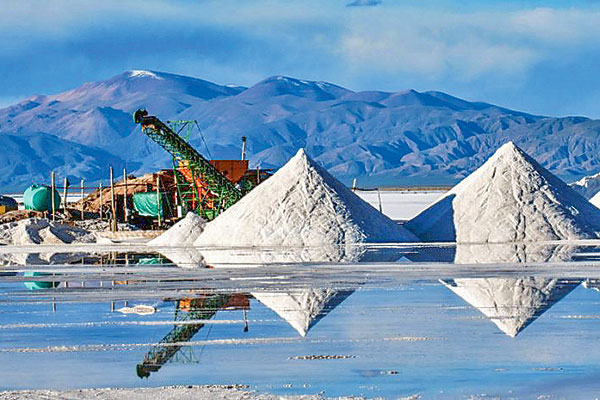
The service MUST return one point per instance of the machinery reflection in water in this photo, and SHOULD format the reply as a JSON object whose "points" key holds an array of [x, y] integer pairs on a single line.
{"points": [[188, 314]]}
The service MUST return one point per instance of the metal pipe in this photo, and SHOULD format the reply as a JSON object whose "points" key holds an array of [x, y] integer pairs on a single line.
{"points": [[243, 148]]}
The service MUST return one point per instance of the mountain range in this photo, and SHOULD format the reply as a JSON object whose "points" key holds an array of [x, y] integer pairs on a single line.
{"points": [[380, 138]]}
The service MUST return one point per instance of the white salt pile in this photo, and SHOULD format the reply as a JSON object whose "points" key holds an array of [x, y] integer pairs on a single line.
{"points": [[588, 186], [509, 198], [301, 205], [302, 308], [183, 233], [511, 303], [42, 231], [595, 200]]}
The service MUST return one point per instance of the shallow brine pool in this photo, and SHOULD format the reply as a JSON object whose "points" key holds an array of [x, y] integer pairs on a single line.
{"points": [[509, 321]]}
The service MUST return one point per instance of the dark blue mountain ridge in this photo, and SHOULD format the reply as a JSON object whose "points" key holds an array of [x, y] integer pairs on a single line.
{"points": [[381, 138]]}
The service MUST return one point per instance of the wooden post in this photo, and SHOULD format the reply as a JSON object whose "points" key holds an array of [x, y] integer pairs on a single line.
{"points": [[65, 196], [379, 197], [101, 202], [82, 197], [178, 206], [113, 206], [158, 199], [53, 199], [354, 185], [125, 216], [257, 176]]}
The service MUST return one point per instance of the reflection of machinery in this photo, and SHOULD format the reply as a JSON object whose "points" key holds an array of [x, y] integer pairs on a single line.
{"points": [[206, 187], [187, 312]]}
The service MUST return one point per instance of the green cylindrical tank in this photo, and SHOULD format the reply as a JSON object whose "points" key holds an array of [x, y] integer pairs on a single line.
{"points": [[39, 198], [36, 285]]}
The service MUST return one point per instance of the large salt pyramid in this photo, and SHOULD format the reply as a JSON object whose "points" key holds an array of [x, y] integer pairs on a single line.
{"points": [[511, 303], [301, 205], [509, 198], [302, 308]]}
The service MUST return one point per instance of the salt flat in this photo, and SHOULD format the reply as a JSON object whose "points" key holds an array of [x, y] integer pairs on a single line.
{"points": [[398, 204]]}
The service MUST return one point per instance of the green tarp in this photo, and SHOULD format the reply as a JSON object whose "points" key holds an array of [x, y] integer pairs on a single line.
{"points": [[146, 204]]}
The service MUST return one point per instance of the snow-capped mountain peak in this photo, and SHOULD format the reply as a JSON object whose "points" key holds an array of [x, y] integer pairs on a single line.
{"points": [[137, 73]]}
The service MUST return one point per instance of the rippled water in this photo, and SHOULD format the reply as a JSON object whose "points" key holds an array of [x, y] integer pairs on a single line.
{"points": [[392, 320]]}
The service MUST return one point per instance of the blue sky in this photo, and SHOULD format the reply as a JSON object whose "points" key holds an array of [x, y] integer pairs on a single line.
{"points": [[540, 57]]}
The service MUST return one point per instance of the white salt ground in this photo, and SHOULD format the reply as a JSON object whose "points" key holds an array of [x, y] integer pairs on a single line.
{"points": [[301, 205], [509, 198], [205, 392], [401, 205]]}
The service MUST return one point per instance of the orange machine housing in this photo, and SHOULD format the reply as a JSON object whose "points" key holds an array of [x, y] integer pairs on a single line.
{"points": [[234, 170]]}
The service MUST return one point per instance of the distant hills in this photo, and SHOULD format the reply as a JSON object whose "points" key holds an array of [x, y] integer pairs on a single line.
{"points": [[381, 138]]}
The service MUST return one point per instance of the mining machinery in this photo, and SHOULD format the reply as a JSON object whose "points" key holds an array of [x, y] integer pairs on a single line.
{"points": [[206, 187]]}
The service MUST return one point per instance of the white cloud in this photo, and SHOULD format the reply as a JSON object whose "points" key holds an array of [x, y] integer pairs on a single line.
{"points": [[464, 46]]}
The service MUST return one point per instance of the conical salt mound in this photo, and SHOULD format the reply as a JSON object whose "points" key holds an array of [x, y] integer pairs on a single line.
{"points": [[511, 303], [183, 233], [302, 308], [509, 198], [301, 205], [595, 200]]}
